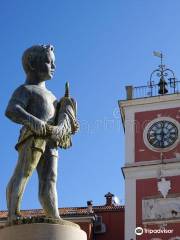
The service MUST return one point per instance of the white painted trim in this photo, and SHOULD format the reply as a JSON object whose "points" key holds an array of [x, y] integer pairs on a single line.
{"points": [[149, 100], [150, 106], [152, 162], [130, 208], [129, 136], [152, 171]]}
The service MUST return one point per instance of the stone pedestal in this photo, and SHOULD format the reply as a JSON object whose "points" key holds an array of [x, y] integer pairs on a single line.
{"points": [[42, 231]]}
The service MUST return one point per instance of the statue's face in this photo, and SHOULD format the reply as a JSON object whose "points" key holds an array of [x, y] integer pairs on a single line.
{"points": [[47, 66]]}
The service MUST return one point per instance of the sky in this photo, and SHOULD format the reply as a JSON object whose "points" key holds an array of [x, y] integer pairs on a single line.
{"points": [[100, 46]]}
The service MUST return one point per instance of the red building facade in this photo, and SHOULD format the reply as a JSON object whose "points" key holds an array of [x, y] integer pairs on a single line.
{"points": [[152, 166]]}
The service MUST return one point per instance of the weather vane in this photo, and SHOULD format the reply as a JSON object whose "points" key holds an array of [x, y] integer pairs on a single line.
{"points": [[158, 54], [163, 73]]}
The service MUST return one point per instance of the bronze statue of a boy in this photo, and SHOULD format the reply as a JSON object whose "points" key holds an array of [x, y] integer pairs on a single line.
{"points": [[47, 124]]}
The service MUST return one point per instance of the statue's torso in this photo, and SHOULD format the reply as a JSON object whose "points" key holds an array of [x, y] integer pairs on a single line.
{"points": [[41, 103]]}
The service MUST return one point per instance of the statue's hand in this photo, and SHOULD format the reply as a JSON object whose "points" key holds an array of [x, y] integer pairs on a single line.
{"points": [[38, 127]]}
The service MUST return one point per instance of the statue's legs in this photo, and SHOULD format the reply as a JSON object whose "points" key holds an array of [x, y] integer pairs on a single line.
{"points": [[47, 173], [27, 162]]}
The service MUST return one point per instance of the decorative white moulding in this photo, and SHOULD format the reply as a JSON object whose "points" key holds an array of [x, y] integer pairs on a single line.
{"points": [[161, 210], [164, 187]]}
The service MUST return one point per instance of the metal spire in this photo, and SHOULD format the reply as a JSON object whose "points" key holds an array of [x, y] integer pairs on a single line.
{"points": [[162, 72]]}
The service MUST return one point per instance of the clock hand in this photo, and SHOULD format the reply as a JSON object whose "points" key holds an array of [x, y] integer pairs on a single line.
{"points": [[162, 134]]}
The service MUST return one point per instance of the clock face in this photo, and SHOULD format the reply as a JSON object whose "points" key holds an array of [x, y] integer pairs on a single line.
{"points": [[162, 134]]}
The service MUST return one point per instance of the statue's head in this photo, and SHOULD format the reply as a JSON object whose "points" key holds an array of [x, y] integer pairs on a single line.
{"points": [[38, 61]]}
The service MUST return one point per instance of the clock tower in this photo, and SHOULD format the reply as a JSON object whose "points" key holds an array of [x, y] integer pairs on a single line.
{"points": [[151, 120]]}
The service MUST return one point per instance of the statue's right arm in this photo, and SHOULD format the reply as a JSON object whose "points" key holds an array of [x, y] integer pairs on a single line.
{"points": [[16, 111]]}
